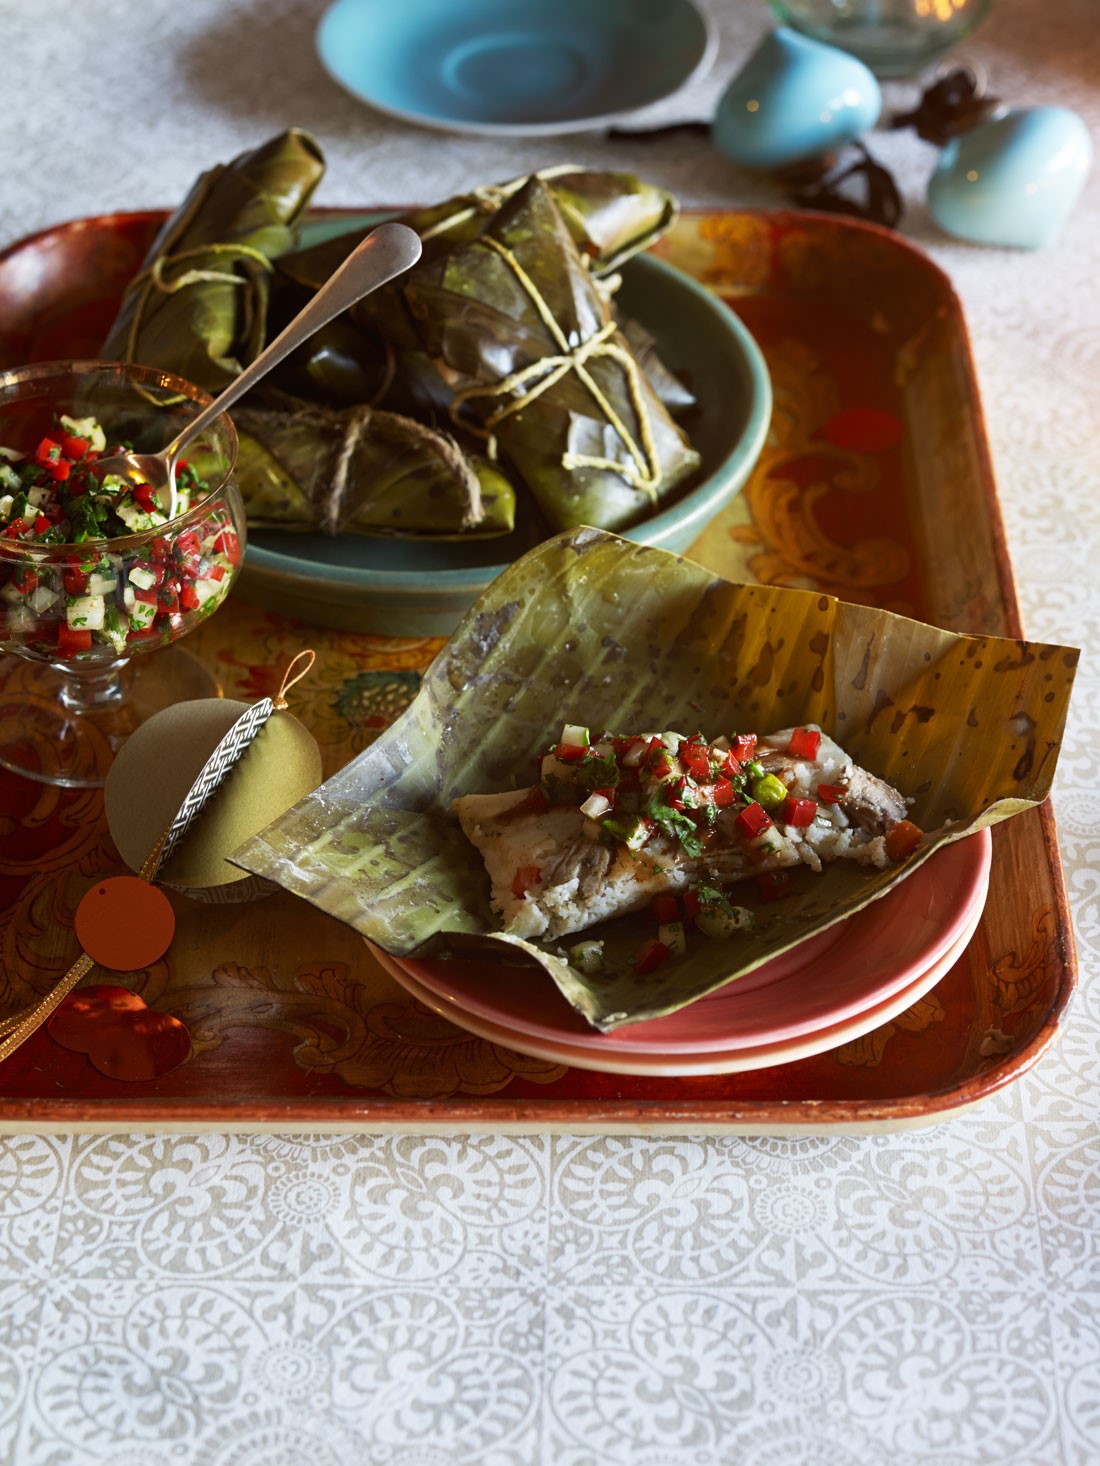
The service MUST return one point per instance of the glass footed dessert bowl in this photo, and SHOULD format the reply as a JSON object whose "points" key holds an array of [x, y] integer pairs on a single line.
{"points": [[93, 578]]}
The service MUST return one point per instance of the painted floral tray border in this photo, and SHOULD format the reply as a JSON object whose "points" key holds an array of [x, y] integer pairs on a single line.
{"points": [[294, 1025]]}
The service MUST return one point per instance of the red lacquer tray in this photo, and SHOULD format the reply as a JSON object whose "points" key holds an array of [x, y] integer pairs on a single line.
{"points": [[875, 486]]}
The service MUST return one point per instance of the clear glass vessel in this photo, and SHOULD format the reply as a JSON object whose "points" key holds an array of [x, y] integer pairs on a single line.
{"points": [[895, 38], [78, 621]]}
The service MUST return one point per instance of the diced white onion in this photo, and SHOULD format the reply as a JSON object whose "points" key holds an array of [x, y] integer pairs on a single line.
{"points": [[596, 806], [85, 613], [41, 598]]}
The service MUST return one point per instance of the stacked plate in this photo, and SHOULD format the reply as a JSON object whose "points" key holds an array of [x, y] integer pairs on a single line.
{"points": [[824, 992]]}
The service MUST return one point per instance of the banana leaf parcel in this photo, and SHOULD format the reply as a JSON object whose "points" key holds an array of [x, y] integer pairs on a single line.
{"points": [[198, 307], [540, 369], [595, 629], [360, 468]]}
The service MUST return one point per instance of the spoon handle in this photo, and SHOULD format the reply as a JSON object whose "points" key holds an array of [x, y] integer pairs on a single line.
{"points": [[385, 252]]}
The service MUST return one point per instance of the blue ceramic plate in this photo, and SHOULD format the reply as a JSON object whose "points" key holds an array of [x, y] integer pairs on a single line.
{"points": [[519, 67], [416, 588]]}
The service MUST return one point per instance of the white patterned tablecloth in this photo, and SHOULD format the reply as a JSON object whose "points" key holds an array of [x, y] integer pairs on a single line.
{"points": [[929, 1298]]}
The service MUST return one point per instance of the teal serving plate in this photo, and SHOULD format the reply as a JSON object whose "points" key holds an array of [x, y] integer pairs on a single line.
{"points": [[399, 587], [495, 66]]}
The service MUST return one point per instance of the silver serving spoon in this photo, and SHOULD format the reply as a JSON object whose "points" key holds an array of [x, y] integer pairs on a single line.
{"points": [[386, 252]]}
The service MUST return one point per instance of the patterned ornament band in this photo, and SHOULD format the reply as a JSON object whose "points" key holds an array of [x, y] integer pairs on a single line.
{"points": [[213, 774]]}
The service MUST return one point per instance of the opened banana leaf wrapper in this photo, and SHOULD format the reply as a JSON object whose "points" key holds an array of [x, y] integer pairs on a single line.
{"points": [[590, 628], [387, 422]]}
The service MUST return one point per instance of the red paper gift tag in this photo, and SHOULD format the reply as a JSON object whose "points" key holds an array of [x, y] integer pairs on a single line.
{"points": [[124, 923]]}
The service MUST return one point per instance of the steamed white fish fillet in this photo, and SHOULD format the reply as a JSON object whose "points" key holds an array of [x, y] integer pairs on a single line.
{"points": [[582, 880]]}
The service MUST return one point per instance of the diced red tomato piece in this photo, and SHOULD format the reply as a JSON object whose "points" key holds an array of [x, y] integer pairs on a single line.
{"points": [[226, 543], [76, 582], [729, 764], [724, 792], [799, 812], [831, 793], [72, 639], [902, 839], [804, 743], [773, 885], [25, 580], [74, 447], [650, 955], [216, 572], [160, 548], [744, 746], [692, 904], [48, 451], [187, 544], [753, 820], [657, 759], [41, 524], [189, 600], [695, 756], [665, 908], [571, 753], [60, 470], [525, 877]]}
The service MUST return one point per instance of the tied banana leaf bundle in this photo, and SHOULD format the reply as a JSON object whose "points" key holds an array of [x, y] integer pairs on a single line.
{"points": [[625, 636], [199, 305], [609, 216], [519, 347], [340, 469], [539, 367]]}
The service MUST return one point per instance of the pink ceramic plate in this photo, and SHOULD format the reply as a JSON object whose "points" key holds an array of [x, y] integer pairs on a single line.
{"points": [[721, 1060], [843, 972]]}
